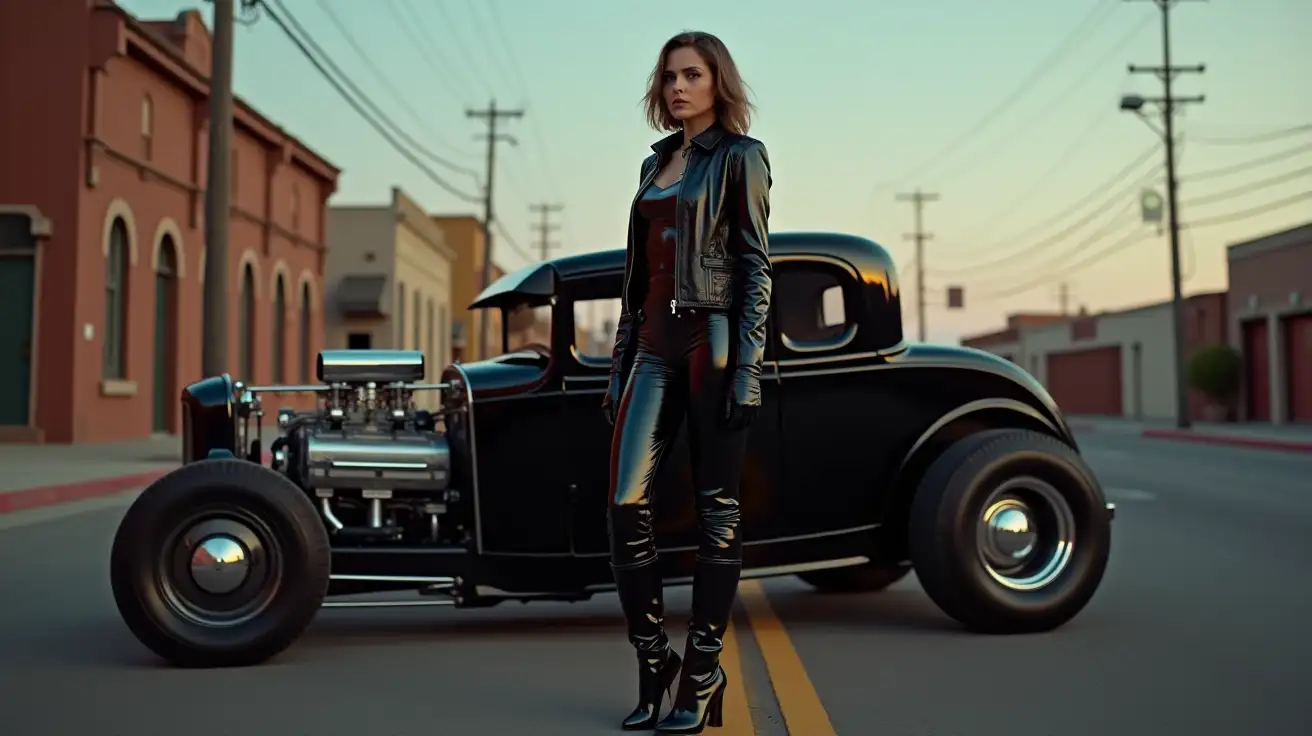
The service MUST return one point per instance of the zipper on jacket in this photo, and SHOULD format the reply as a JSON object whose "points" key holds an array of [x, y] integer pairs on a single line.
{"points": [[678, 231]]}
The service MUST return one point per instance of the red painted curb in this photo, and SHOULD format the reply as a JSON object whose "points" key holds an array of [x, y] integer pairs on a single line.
{"points": [[1258, 443], [35, 498]]}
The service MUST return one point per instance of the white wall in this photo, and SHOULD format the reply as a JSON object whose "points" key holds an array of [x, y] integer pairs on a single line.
{"points": [[1148, 392]]}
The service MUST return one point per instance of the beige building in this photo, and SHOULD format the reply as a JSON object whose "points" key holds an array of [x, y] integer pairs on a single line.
{"points": [[1119, 364], [389, 281], [464, 234]]}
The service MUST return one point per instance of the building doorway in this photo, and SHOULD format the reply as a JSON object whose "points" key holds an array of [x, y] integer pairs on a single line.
{"points": [[17, 290], [166, 310]]}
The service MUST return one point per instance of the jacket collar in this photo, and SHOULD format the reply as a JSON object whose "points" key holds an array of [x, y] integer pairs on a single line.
{"points": [[705, 140]]}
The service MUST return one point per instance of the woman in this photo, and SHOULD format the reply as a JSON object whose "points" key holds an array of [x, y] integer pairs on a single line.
{"points": [[688, 346]]}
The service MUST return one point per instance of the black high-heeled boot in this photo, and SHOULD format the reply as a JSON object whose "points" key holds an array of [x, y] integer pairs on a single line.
{"points": [[699, 701], [642, 600]]}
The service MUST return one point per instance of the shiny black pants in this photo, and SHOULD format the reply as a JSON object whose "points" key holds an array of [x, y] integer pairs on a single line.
{"points": [[679, 373]]}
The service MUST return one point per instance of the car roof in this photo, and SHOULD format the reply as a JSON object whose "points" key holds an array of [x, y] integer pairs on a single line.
{"points": [[537, 282]]}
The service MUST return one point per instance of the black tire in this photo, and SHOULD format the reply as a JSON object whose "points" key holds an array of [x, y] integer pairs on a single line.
{"points": [[158, 596], [868, 578], [945, 531]]}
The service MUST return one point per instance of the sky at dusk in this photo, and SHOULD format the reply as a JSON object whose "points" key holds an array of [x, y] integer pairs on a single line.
{"points": [[1003, 109]]}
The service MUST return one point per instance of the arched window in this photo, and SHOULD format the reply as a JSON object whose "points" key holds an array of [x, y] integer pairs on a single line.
{"points": [[306, 371], [114, 359], [279, 342], [246, 326]]}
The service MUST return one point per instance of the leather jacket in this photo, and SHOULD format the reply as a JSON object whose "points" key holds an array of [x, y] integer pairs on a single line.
{"points": [[722, 258]]}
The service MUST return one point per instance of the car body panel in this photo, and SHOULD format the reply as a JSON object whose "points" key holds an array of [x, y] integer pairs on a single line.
{"points": [[848, 416]]}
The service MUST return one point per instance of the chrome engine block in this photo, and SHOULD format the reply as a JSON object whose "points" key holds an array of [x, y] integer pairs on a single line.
{"points": [[380, 468]]}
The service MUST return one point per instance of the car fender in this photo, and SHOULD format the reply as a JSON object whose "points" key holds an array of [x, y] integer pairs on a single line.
{"points": [[968, 418]]}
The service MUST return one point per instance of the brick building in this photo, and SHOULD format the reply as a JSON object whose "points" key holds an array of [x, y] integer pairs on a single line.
{"points": [[1114, 363], [102, 202], [1271, 323]]}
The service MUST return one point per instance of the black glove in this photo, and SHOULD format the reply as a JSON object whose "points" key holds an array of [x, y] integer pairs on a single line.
{"points": [[610, 405], [743, 397]]}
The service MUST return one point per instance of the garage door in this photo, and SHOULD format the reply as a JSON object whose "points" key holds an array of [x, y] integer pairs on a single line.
{"points": [[1087, 381], [1298, 350], [1257, 371]]}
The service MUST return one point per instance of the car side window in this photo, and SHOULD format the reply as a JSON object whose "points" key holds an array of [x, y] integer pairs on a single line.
{"points": [[810, 307], [594, 329]]}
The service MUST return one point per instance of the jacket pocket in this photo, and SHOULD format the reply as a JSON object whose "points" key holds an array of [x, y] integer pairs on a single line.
{"points": [[719, 275]]}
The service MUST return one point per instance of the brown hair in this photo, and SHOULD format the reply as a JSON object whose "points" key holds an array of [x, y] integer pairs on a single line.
{"points": [[733, 108]]}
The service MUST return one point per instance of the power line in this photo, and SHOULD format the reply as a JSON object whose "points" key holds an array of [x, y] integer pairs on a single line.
{"points": [[391, 89], [1061, 161], [1248, 213], [487, 43], [540, 145], [1115, 222], [1250, 187], [1099, 14], [1267, 137], [1245, 166], [1067, 91], [918, 200], [414, 30], [515, 246], [544, 227], [1117, 179], [355, 105]]}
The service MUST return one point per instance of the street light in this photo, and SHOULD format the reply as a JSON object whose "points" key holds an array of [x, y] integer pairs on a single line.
{"points": [[1132, 103]]}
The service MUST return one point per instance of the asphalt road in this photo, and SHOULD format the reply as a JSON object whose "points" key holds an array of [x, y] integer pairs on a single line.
{"points": [[1201, 628]]}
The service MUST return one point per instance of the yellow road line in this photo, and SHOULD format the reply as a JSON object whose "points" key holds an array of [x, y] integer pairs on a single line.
{"points": [[803, 713], [737, 716]]}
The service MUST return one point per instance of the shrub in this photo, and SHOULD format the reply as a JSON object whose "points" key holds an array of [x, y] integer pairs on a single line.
{"points": [[1215, 371]]}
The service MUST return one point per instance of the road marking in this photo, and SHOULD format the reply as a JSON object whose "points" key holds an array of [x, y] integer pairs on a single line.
{"points": [[737, 714], [1130, 494], [803, 713]]}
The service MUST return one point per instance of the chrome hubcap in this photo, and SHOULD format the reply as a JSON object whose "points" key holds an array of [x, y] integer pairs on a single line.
{"points": [[220, 564], [220, 568], [1026, 534]]}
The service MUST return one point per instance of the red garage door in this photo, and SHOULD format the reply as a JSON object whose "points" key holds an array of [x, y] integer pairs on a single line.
{"points": [[1298, 351], [1087, 381], [1257, 372]]}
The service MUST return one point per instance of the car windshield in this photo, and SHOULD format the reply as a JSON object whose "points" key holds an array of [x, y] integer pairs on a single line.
{"points": [[528, 328]]}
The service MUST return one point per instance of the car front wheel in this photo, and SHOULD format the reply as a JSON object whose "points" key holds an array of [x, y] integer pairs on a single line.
{"points": [[1009, 532], [220, 563]]}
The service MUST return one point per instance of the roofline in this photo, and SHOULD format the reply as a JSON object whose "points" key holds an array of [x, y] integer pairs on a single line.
{"points": [[271, 133], [1280, 240]]}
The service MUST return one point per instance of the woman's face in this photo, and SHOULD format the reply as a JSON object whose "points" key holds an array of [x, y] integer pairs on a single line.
{"points": [[689, 86]]}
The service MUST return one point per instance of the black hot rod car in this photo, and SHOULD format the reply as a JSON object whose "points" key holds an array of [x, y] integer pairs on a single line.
{"points": [[871, 457]]}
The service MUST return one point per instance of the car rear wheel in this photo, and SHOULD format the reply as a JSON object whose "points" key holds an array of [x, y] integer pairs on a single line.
{"points": [[1009, 532], [868, 578], [220, 563]]}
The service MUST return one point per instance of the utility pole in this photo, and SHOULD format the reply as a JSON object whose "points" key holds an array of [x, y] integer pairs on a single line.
{"points": [[1168, 102], [214, 350], [492, 115], [918, 200], [1064, 297], [544, 227]]}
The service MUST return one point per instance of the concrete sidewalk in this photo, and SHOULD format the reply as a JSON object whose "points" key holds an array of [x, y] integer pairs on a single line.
{"points": [[1257, 435], [36, 476]]}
